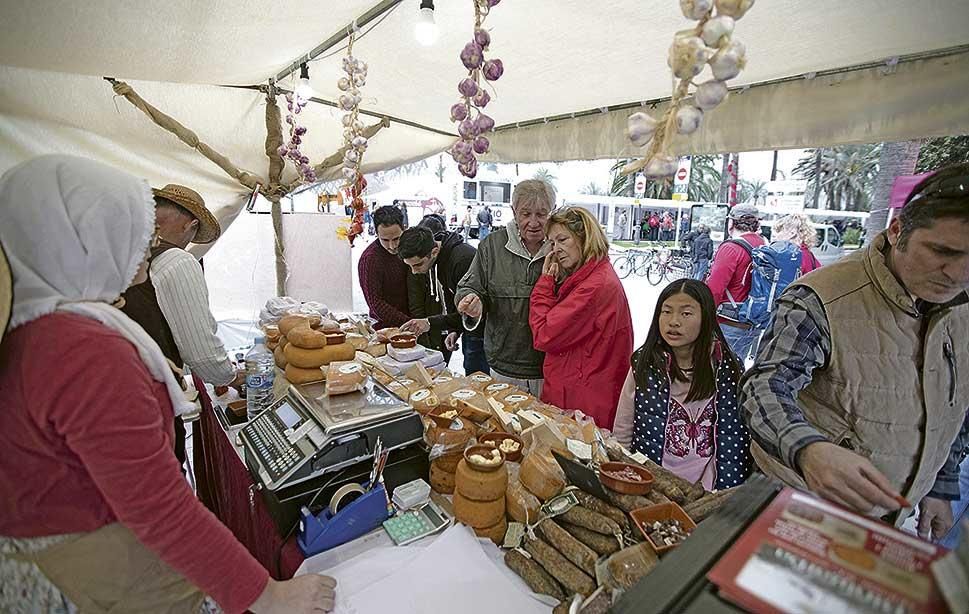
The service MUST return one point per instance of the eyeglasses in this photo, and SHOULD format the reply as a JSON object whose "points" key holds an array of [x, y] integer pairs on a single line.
{"points": [[953, 187]]}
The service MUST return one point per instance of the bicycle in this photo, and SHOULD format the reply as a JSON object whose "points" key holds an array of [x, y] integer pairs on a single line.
{"points": [[632, 261], [669, 267]]}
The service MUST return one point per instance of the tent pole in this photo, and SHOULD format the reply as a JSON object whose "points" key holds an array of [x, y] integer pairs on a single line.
{"points": [[374, 12], [274, 139]]}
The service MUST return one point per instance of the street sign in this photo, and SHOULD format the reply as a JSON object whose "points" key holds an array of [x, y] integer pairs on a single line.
{"points": [[681, 180], [640, 185]]}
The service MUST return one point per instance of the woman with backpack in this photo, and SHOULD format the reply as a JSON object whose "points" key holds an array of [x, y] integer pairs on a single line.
{"points": [[679, 404], [797, 229]]}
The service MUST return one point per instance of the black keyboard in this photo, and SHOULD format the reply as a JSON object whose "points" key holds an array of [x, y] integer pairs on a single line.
{"points": [[269, 442]]}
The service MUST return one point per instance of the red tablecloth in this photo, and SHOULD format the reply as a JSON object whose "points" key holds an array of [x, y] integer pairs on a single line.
{"points": [[225, 487]]}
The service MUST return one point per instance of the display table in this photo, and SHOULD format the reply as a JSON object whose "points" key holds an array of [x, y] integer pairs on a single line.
{"points": [[226, 488]]}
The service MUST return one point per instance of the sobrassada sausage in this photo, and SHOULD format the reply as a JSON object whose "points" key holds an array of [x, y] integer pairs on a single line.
{"points": [[584, 517], [573, 579], [628, 503], [691, 492], [708, 504], [601, 507], [602, 544], [583, 556], [534, 575]]}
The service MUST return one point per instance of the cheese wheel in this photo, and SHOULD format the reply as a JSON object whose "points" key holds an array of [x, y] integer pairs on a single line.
{"points": [[306, 337], [341, 351], [477, 485], [280, 355], [521, 505], [472, 404], [271, 345], [495, 533], [451, 438], [283, 341], [448, 462], [304, 358], [441, 481], [479, 514], [541, 476], [424, 400], [296, 375]]}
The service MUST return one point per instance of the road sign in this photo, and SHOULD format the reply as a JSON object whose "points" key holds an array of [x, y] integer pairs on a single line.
{"points": [[640, 185], [681, 181]]}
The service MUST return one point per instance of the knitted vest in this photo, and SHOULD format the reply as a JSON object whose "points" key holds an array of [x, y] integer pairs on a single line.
{"points": [[896, 387]]}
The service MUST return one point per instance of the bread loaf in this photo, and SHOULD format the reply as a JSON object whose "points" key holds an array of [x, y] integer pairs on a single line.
{"points": [[477, 485], [296, 375], [479, 514]]}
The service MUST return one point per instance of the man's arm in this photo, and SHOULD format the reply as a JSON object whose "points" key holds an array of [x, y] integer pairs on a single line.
{"points": [[947, 480], [797, 342], [725, 264], [184, 301]]}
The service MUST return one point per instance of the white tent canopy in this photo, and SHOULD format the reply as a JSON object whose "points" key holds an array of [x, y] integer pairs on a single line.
{"points": [[561, 57]]}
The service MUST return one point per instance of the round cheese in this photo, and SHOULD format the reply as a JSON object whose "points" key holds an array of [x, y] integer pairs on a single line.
{"points": [[495, 533], [542, 477], [296, 375], [480, 485], [441, 481], [479, 514], [280, 355], [305, 358], [451, 438], [306, 337], [448, 462]]}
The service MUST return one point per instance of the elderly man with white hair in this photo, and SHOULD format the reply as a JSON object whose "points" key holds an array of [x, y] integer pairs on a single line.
{"points": [[499, 284]]}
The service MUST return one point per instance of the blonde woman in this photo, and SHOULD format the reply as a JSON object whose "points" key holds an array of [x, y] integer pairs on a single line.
{"points": [[797, 229], [580, 318]]}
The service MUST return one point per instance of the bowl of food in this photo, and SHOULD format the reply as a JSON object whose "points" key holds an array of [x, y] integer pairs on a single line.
{"points": [[402, 341], [483, 457], [625, 478], [665, 525], [511, 445]]}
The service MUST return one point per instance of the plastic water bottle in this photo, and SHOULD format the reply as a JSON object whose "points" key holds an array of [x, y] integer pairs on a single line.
{"points": [[260, 374]]}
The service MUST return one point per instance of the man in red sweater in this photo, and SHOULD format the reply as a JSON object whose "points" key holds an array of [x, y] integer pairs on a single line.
{"points": [[383, 275], [730, 276]]}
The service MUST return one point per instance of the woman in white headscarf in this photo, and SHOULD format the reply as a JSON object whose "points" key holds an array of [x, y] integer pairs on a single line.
{"points": [[90, 491]]}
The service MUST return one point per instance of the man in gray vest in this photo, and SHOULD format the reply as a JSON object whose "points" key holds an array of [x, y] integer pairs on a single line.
{"points": [[861, 386]]}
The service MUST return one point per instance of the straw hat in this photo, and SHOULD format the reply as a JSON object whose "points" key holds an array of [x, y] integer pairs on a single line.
{"points": [[6, 292], [188, 199]]}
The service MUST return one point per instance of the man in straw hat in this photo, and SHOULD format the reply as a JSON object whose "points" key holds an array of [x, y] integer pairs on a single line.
{"points": [[173, 305]]}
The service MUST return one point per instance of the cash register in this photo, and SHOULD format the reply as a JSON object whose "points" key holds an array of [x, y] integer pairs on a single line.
{"points": [[307, 445]]}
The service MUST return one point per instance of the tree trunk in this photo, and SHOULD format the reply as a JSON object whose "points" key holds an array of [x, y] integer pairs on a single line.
{"points": [[734, 178], [896, 159], [773, 168], [817, 176], [724, 179]]}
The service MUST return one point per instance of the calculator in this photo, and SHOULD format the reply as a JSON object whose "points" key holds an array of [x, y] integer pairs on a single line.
{"points": [[411, 525]]}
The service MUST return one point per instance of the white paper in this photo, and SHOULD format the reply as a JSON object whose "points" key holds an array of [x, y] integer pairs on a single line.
{"points": [[451, 574]]}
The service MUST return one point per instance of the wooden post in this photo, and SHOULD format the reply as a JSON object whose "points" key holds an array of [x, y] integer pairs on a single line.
{"points": [[274, 140]]}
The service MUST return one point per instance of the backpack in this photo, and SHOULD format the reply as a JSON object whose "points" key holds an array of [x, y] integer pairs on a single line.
{"points": [[773, 268]]}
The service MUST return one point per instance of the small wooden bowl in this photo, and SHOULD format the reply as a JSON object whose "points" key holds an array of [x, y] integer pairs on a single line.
{"points": [[646, 516], [498, 438], [484, 450], [620, 485], [336, 338], [402, 341]]}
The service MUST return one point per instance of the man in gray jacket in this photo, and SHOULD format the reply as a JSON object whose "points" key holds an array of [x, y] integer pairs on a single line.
{"points": [[500, 282]]}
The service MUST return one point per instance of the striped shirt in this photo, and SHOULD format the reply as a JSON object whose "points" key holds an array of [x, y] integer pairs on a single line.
{"points": [[797, 342], [184, 300]]}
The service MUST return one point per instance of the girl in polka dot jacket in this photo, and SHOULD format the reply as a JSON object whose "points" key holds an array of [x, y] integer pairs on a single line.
{"points": [[679, 403]]}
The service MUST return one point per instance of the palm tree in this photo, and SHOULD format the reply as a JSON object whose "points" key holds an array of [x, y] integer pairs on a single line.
{"points": [[844, 174], [439, 171], [593, 189], [752, 191], [622, 185], [704, 179], [896, 159], [546, 175]]}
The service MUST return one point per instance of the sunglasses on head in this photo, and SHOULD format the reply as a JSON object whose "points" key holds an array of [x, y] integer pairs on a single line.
{"points": [[953, 187]]}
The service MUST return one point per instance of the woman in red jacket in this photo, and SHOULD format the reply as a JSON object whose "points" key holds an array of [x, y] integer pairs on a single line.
{"points": [[580, 318]]}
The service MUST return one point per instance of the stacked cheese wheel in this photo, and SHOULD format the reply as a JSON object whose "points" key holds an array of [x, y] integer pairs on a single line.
{"points": [[479, 499], [447, 445], [311, 342]]}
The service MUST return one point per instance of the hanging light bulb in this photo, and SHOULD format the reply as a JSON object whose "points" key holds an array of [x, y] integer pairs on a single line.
{"points": [[303, 88], [425, 31]]}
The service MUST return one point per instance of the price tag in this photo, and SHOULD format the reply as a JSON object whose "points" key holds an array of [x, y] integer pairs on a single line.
{"points": [[514, 535], [639, 457]]}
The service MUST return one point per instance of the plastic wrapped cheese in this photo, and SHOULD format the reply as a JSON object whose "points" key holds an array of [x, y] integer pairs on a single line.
{"points": [[521, 505], [406, 354], [471, 404], [345, 377], [541, 475], [423, 400]]}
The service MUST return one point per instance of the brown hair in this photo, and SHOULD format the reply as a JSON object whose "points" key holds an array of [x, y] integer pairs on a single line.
{"points": [[585, 228]]}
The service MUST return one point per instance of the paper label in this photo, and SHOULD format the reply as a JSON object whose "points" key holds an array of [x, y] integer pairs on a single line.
{"points": [[420, 395], [441, 379], [514, 535], [497, 387], [463, 395], [350, 368], [515, 398], [481, 377], [580, 449], [639, 457]]}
